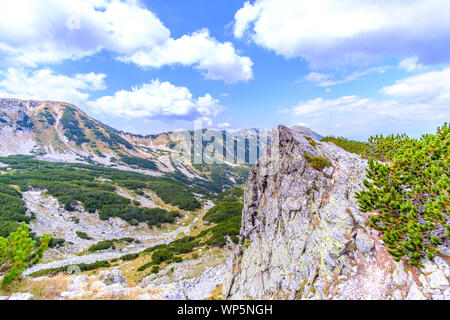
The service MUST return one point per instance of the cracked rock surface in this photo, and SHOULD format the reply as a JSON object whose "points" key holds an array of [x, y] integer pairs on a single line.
{"points": [[303, 236]]}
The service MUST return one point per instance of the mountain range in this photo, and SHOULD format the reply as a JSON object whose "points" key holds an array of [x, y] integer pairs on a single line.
{"points": [[261, 216]]}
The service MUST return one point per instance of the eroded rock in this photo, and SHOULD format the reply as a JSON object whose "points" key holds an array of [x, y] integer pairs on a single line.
{"points": [[21, 296], [304, 237]]}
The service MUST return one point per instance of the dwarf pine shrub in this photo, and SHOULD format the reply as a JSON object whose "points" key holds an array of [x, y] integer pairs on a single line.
{"points": [[410, 193], [318, 163], [83, 235], [352, 146], [19, 251]]}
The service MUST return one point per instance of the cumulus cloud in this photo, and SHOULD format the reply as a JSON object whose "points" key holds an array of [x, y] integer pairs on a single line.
{"points": [[217, 61], [155, 100], [158, 100], [328, 32], [420, 103], [50, 31], [433, 87], [45, 84]]}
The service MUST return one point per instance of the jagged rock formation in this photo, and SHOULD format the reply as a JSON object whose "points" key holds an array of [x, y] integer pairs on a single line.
{"points": [[303, 237]]}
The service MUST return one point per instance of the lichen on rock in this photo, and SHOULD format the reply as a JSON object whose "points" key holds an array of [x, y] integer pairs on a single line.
{"points": [[303, 235]]}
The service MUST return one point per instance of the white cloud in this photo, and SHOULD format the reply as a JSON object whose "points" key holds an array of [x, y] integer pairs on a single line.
{"points": [[50, 31], [45, 84], [327, 80], [217, 61], [96, 81], [316, 77], [158, 100], [223, 125], [410, 64], [422, 102], [433, 86], [155, 100], [329, 32], [33, 32]]}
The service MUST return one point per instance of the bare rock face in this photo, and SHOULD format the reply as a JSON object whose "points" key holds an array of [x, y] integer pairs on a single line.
{"points": [[303, 236]]}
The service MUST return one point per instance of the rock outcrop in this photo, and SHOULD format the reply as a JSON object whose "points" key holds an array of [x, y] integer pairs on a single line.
{"points": [[303, 236]]}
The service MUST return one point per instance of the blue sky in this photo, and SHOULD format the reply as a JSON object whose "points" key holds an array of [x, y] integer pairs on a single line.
{"points": [[354, 68]]}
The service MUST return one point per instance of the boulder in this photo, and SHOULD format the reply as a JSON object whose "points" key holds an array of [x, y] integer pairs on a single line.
{"points": [[437, 280], [415, 293], [113, 277], [21, 296], [364, 243]]}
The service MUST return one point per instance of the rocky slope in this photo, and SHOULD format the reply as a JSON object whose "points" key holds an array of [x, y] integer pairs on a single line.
{"points": [[303, 237]]}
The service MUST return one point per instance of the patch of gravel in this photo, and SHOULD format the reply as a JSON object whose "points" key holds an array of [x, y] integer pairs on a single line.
{"points": [[47, 221]]}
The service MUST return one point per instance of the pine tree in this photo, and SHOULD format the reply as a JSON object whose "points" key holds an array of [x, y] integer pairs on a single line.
{"points": [[408, 185], [19, 251]]}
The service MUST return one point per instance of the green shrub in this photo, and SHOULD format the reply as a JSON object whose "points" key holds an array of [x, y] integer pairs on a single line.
{"points": [[230, 195], [311, 141], [385, 148], [151, 249], [132, 214], [161, 255], [167, 252], [174, 194], [139, 162], [102, 245], [26, 122], [184, 245], [223, 211], [176, 260], [56, 242], [145, 266], [230, 227], [75, 219], [98, 153], [71, 126], [410, 193], [19, 252], [12, 208], [352, 146], [131, 256], [48, 116], [6, 227], [83, 235], [132, 184], [8, 190], [155, 269], [66, 269], [318, 163]]}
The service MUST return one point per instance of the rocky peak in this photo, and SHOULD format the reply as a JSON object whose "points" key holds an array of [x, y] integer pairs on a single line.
{"points": [[303, 235]]}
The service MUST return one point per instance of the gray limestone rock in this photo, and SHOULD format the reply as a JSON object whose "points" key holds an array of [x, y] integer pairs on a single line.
{"points": [[21, 296], [304, 237]]}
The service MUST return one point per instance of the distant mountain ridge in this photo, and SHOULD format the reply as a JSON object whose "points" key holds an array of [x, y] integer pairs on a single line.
{"points": [[61, 132]]}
